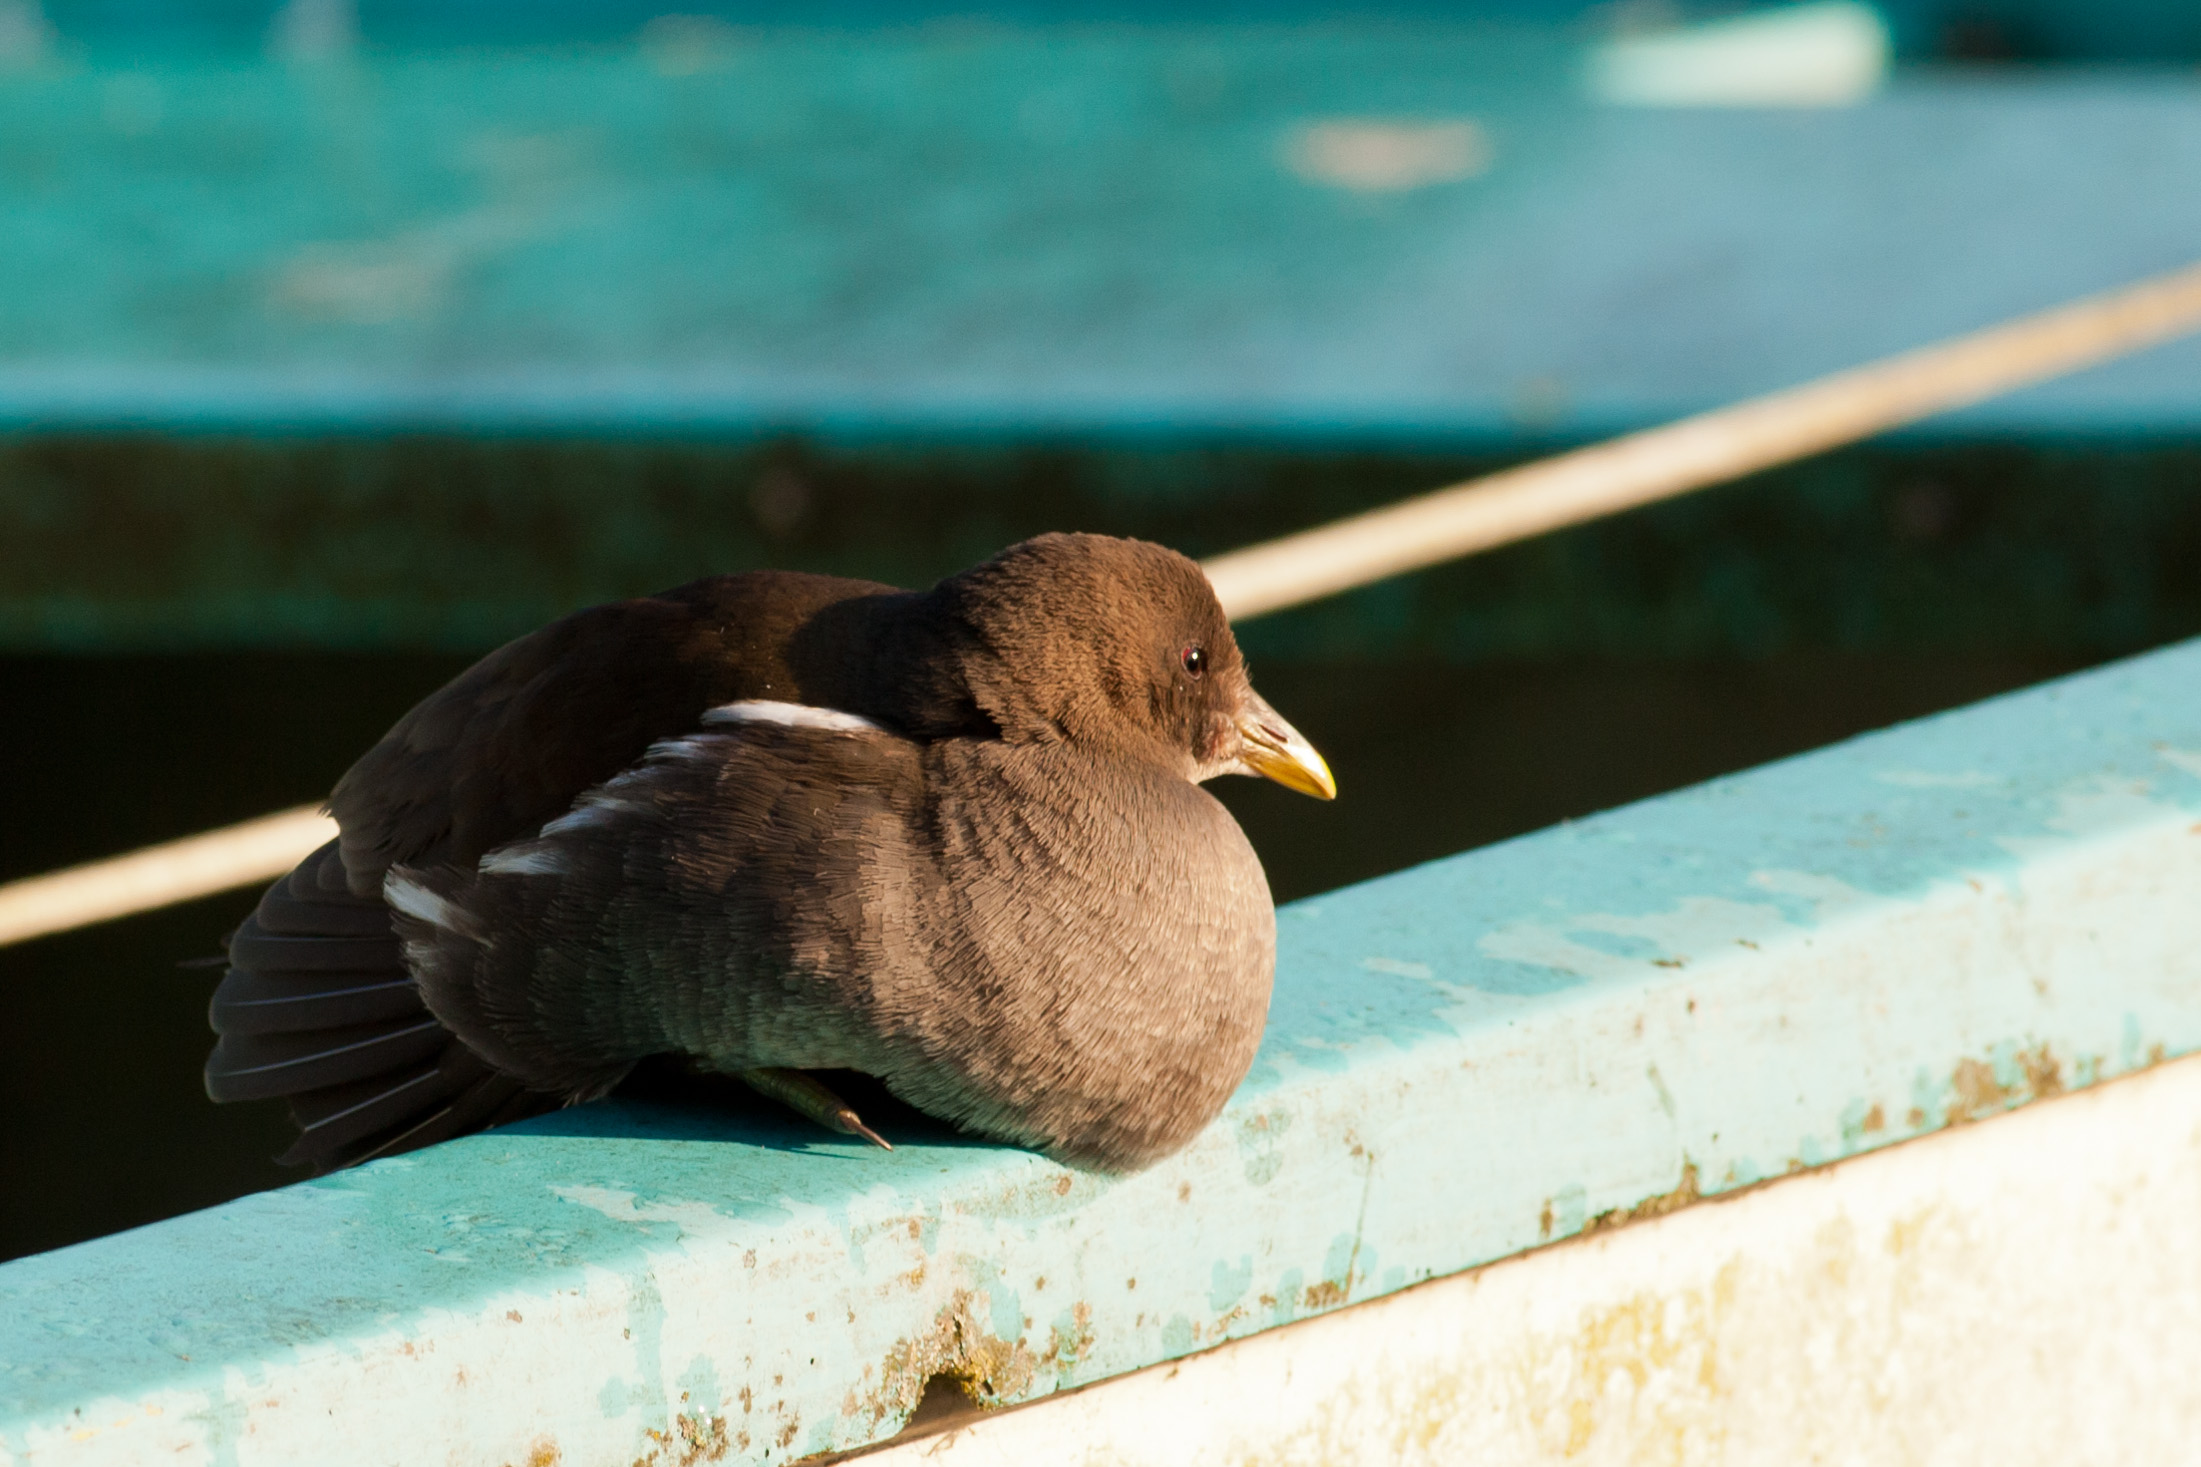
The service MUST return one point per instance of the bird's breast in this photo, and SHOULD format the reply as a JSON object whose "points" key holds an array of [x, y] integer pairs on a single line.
{"points": [[1108, 946]]}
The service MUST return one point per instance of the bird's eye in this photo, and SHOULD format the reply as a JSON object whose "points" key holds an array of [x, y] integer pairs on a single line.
{"points": [[1195, 660]]}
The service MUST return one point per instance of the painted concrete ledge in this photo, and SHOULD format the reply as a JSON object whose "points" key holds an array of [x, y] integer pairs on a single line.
{"points": [[1609, 1019], [2015, 1293]]}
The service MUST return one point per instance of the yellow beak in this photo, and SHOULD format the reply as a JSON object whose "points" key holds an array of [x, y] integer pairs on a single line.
{"points": [[1275, 750]]}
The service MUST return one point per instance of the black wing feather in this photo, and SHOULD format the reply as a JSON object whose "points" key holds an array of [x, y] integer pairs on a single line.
{"points": [[277, 1003], [317, 1008]]}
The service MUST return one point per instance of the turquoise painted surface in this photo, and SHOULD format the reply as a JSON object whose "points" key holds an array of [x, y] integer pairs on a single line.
{"points": [[1034, 231], [2035, 30], [1769, 971]]}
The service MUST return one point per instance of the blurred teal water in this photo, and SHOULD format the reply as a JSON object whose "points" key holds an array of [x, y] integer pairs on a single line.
{"points": [[1307, 231], [2150, 30]]}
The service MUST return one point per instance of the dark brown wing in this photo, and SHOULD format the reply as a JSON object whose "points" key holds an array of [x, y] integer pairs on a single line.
{"points": [[318, 1008], [511, 742]]}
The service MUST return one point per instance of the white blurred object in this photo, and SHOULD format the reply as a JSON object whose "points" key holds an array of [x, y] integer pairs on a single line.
{"points": [[25, 33], [1823, 55], [314, 30], [689, 45], [1376, 155]]}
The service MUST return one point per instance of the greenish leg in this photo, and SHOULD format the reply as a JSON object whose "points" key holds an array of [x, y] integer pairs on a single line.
{"points": [[800, 1092]]}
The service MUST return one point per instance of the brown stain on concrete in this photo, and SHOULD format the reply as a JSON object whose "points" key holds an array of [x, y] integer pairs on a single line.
{"points": [[1904, 1233], [1327, 1294], [986, 1368], [2043, 1072], [1641, 1338], [694, 1439], [1976, 1092], [1690, 1190], [1071, 1344]]}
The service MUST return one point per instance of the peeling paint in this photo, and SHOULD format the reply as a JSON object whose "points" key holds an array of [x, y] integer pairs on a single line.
{"points": [[986, 1367], [1681, 1196]]}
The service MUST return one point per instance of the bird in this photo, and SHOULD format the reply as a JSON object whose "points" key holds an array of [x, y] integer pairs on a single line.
{"points": [[775, 824]]}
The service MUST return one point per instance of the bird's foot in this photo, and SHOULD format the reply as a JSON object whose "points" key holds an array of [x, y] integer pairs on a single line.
{"points": [[801, 1092]]}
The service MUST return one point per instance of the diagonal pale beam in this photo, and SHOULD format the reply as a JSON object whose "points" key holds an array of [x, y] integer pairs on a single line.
{"points": [[1428, 529], [160, 876], [1710, 448]]}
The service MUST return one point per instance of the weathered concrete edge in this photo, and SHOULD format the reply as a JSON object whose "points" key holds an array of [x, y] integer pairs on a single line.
{"points": [[1770, 971], [2023, 1287]]}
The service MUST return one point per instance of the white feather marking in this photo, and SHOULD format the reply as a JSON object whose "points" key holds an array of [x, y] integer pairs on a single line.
{"points": [[694, 746], [401, 891], [593, 811], [524, 858], [612, 789], [792, 715]]}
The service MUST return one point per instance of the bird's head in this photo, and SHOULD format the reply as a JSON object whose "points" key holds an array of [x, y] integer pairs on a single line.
{"points": [[1118, 645]]}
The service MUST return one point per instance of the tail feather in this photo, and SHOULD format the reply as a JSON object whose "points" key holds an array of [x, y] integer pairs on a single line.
{"points": [[493, 1101], [273, 1003], [340, 1119], [318, 1008], [268, 1066], [256, 950], [300, 904]]}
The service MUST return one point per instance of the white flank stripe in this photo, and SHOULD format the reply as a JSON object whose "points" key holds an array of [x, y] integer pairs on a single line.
{"points": [[694, 746], [593, 810], [526, 858], [793, 715], [417, 901]]}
